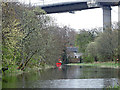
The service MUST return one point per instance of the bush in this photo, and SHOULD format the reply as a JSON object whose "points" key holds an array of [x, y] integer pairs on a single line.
{"points": [[88, 59]]}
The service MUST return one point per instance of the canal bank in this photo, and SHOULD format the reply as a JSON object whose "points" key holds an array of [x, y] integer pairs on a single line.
{"points": [[14, 71], [99, 64]]}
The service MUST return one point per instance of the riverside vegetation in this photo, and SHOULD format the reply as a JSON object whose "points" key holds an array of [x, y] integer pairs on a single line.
{"points": [[30, 38], [99, 46], [99, 64]]}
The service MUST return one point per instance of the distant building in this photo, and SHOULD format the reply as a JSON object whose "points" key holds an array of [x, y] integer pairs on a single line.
{"points": [[72, 49], [77, 55], [73, 52]]}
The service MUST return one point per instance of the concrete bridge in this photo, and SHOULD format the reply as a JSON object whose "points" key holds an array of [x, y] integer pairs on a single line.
{"points": [[84, 5]]}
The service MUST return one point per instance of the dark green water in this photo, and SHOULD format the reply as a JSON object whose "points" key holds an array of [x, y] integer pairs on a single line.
{"points": [[65, 77], [0, 79]]}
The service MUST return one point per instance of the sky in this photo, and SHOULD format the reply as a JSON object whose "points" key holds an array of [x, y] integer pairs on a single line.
{"points": [[85, 19]]}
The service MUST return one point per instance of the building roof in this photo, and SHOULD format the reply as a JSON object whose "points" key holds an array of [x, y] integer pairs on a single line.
{"points": [[72, 49], [78, 54]]}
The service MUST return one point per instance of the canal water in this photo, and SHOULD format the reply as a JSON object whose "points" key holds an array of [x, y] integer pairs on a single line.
{"points": [[65, 77]]}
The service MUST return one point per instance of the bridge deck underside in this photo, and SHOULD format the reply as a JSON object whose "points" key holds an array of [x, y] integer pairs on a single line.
{"points": [[73, 6]]}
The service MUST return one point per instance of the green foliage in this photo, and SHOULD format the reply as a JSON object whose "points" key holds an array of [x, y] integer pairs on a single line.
{"points": [[100, 64], [104, 47], [38, 11], [83, 39], [91, 49], [88, 59], [107, 44], [11, 35], [30, 38], [114, 87]]}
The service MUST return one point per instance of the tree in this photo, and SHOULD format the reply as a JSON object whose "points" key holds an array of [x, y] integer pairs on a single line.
{"points": [[11, 34], [30, 37], [106, 45], [83, 39], [91, 50]]}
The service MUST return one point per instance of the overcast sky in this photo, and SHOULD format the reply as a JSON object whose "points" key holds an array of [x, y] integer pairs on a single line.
{"points": [[81, 19], [84, 19]]}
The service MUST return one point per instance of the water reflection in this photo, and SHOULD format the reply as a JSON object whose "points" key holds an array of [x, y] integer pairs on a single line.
{"points": [[0, 79], [65, 77], [75, 83]]}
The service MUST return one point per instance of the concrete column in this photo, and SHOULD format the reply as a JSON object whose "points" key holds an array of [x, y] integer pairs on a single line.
{"points": [[119, 33], [119, 14], [106, 17]]}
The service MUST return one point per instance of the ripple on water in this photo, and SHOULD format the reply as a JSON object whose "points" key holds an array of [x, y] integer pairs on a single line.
{"points": [[75, 83]]}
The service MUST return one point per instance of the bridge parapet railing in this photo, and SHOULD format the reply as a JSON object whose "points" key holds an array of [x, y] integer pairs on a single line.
{"points": [[47, 2], [50, 2]]}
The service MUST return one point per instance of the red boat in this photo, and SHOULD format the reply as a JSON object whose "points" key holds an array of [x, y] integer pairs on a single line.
{"points": [[58, 64]]}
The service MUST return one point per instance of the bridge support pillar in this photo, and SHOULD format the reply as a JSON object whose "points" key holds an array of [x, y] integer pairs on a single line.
{"points": [[119, 33], [106, 17], [119, 15]]}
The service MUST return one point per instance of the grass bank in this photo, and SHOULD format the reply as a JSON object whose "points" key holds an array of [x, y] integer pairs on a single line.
{"points": [[100, 64], [12, 70]]}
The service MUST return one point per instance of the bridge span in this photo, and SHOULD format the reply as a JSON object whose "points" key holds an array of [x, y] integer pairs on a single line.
{"points": [[84, 5]]}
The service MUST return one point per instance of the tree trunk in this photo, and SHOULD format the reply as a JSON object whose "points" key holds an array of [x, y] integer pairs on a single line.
{"points": [[22, 63], [28, 61]]}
